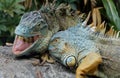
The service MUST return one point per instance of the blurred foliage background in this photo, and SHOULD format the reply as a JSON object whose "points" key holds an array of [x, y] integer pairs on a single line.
{"points": [[12, 10]]}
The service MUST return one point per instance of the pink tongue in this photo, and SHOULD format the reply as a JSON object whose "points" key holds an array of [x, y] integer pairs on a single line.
{"points": [[20, 45]]}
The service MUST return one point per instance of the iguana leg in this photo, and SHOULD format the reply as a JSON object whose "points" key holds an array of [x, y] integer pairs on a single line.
{"points": [[46, 58], [88, 65]]}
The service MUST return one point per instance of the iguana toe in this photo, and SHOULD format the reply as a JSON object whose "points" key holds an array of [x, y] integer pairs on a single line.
{"points": [[46, 58]]}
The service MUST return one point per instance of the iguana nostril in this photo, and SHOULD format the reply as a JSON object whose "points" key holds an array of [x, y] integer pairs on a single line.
{"points": [[23, 30]]}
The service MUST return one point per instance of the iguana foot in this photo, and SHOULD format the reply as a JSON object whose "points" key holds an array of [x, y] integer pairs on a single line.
{"points": [[45, 58], [88, 65]]}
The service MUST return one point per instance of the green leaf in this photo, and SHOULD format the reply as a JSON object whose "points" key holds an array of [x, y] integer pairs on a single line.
{"points": [[11, 30], [12, 6], [72, 1], [19, 1], [0, 32], [73, 6], [3, 28], [112, 13], [19, 7], [117, 2], [57, 3]]}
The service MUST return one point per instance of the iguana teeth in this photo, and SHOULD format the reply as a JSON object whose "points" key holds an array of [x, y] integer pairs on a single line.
{"points": [[20, 37], [31, 39], [28, 39], [24, 39]]}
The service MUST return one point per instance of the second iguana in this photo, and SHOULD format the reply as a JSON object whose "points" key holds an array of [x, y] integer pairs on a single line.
{"points": [[88, 50]]}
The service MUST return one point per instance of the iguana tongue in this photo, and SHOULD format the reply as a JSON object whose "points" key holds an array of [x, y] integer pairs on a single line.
{"points": [[20, 45]]}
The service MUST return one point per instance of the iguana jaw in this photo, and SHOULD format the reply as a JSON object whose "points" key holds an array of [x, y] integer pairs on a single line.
{"points": [[22, 45]]}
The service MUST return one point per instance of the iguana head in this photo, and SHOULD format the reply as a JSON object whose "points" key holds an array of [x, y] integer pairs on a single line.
{"points": [[31, 29]]}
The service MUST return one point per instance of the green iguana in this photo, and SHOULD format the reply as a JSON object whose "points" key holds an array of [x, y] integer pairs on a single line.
{"points": [[80, 47]]}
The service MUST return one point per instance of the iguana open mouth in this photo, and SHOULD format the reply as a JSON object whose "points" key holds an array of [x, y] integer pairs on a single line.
{"points": [[22, 43]]}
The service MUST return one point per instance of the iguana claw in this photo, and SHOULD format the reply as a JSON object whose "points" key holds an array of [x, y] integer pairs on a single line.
{"points": [[46, 58]]}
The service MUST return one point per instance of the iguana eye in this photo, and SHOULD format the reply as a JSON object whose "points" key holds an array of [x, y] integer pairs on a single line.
{"points": [[56, 39]]}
